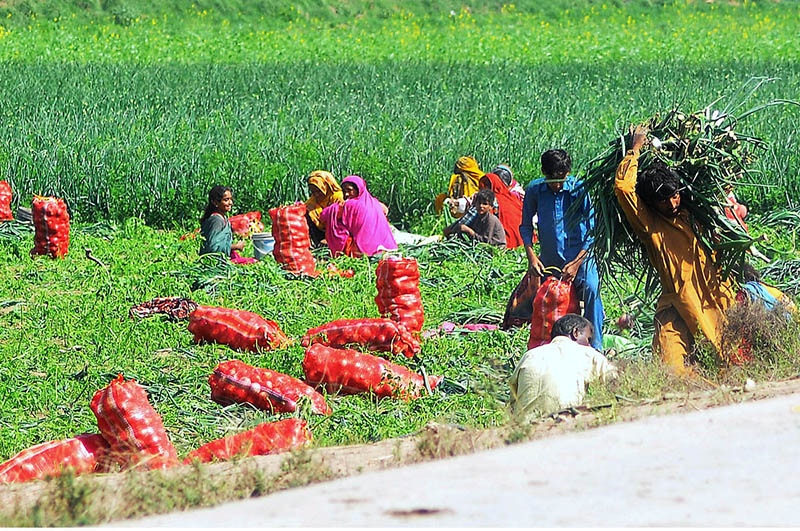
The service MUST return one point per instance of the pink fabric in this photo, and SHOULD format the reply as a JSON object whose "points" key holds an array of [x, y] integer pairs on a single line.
{"points": [[451, 328], [364, 218], [517, 190], [335, 232], [238, 259]]}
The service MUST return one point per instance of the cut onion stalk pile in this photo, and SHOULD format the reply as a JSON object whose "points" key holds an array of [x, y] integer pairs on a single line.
{"points": [[708, 151]]}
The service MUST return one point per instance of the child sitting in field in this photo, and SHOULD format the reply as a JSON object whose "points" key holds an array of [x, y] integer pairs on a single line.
{"points": [[216, 229], [484, 226]]}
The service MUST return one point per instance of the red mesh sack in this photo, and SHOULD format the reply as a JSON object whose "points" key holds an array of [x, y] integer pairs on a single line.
{"points": [[236, 328], [131, 426], [398, 292], [349, 372], [375, 334], [554, 299], [264, 439], [51, 226], [5, 201], [82, 454], [246, 224], [235, 382], [292, 244]]}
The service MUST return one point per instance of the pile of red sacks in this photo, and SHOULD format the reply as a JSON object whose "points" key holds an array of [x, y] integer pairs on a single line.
{"points": [[132, 434]]}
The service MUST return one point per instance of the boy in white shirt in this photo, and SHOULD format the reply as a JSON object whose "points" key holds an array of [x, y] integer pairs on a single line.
{"points": [[552, 377]]}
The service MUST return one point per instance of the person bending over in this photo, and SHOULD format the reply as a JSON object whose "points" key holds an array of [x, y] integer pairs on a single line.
{"points": [[485, 226], [694, 297], [553, 376]]}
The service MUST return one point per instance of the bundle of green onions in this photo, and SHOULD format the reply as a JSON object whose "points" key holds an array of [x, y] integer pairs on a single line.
{"points": [[709, 155]]}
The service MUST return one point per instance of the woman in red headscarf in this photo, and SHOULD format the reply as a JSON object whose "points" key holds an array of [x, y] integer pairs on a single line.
{"points": [[509, 208]]}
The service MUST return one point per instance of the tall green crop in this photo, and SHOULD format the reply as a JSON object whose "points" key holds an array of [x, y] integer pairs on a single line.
{"points": [[141, 119]]}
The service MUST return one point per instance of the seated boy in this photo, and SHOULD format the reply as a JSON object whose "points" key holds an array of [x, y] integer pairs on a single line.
{"points": [[484, 226], [552, 377]]}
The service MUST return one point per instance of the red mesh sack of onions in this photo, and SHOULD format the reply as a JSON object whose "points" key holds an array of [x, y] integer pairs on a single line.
{"points": [[292, 244], [554, 299], [5, 201], [82, 454], [246, 224], [131, 426], [51, 227], [238, 329], [264, 439], [235, 382], [398, 292], [383, 335], [348, 372]]}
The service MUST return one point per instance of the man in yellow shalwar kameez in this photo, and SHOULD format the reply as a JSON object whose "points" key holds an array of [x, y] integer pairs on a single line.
{"points": [[694, 297]]}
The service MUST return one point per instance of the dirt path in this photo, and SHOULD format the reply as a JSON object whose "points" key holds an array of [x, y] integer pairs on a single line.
{"points": [[726, 466], [109, 494]]}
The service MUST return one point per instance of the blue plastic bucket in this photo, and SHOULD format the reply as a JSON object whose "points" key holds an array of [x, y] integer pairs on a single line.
{"points": [[263, 243]]}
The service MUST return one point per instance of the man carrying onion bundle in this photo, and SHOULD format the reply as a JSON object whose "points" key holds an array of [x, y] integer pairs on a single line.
{"points": [[694, 297]]}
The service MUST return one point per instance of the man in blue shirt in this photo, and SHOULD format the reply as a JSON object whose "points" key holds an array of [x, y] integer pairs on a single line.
{"points": [[564, 237]]}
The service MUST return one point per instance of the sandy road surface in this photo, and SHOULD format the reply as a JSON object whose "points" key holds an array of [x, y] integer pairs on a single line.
{"points": [[727, 466]]}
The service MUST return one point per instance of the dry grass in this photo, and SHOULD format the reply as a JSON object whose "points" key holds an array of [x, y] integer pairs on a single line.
{"points": [[75, 501]]}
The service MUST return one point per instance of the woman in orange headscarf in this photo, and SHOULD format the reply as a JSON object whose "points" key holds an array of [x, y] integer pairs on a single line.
{"points": [[325, 191], [509, 208]]}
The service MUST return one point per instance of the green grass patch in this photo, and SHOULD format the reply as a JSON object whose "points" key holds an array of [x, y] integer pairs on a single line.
{"points": [[66, 333]]}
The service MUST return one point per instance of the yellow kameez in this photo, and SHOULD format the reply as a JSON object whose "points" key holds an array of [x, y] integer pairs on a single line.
{"points": [[333, 194], [690, 283], [465, 182]]}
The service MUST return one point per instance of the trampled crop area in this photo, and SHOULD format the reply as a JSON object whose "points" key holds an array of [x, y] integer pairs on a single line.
{"points": [[131, 118]]}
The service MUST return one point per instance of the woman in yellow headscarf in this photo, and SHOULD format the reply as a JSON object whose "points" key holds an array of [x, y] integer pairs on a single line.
{"points": [[463, 183], [325, 191]]}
